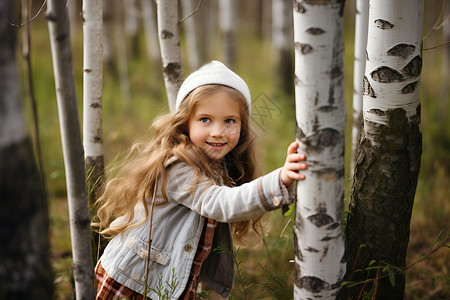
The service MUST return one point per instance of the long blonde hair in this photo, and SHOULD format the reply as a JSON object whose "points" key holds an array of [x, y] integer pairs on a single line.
{"points": [[145, 163]]}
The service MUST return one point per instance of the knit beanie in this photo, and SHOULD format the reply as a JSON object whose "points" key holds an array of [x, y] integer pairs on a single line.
{"points": [[214, 72]]}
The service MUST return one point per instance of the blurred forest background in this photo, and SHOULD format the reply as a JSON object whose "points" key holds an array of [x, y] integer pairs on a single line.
{"points": [[133, 94]]}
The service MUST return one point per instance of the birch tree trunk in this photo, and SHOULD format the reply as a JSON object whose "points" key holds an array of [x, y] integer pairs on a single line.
{"points": [[169, 42], [282, 45], [190, 34], [443, 103], [388, 159], [25, 268], [130, 16], [122, 56], [150, 30], [227, 18], [72, 148], [320, 113], [93, 105], [359, 66]]}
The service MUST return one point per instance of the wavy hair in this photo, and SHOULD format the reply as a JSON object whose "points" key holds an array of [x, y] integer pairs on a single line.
{"points": [[146, 162]]}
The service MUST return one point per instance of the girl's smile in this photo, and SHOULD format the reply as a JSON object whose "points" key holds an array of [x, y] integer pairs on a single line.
{"points": [[216, 124]]}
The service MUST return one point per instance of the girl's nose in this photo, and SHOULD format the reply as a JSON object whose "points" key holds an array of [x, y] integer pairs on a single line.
{"points": [[217, 131]]}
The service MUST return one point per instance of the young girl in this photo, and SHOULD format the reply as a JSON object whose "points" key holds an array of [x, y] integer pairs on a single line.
{"points": [[199, 169]]}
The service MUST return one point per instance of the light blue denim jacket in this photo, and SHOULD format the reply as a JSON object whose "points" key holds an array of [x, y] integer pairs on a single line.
{"points": [[177, 227]]}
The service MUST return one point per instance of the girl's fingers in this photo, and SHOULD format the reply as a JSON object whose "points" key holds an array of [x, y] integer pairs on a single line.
{"points": [[292, 148]]}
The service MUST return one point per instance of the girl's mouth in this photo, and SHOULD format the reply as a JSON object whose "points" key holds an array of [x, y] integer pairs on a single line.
{"points": [[216, 144]]}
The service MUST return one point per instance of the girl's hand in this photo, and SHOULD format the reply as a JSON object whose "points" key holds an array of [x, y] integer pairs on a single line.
{"points": [[293, 164]]}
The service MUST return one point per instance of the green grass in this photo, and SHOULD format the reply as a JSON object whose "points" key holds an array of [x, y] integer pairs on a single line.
{"points": [[126, 123]]}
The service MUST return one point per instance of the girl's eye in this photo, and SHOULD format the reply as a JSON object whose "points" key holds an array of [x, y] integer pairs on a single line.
{"points": [[204, 120], [229, 121]]}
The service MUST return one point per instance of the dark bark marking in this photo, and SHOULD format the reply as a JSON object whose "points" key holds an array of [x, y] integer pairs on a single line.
{"points": [[403, 50], [336, 72], [377, 111], [309, 249], [325, 251], [414, 67], [321, 218], [297, 81], [95, 105], [326, 108], [298, 7], [87, 70], [367, 56], [173, 72], [315, 31], [320, 139], [383, 24], [50, 16], [61, 37], [97, 139], [303, 48], [367, 88], [298, 253], [386, 75], [409, 88], [311, 284], [333, 226], [166, 34]]}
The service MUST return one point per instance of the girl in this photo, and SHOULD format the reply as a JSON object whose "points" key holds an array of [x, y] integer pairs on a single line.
{"points": [[199, 169]]}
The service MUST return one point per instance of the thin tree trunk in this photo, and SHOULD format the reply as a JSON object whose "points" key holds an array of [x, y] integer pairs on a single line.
{"points": [[227, 18], [122, 55], [72, 148], [388, 159], [190, 34], [93, 106], [25, 268], [108, 35], [443, 103], [131, 24], [359, 66], [169, 41], [320, 112], [150, 30], [282, 36]]}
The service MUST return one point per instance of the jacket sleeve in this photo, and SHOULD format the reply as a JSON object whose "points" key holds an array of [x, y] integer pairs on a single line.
{"points": [[226, 204]]}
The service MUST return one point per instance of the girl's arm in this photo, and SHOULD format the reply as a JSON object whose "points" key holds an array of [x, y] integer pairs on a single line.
{"points": [[234, 204]]}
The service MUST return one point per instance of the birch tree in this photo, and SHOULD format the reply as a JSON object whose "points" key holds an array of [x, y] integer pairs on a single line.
{"points": [[72, 148], [190, 33], [169, 42], [93, 104], [388, 159], [320, 114], [361, 19], [150, 30], [25, 268], [282, 44], [227, 22]]}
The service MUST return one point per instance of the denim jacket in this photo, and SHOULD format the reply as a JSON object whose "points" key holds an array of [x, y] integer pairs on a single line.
{"points": [[177, 227]]}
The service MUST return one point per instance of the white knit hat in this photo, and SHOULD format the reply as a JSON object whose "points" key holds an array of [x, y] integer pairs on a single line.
{"points": [[214, 72]]}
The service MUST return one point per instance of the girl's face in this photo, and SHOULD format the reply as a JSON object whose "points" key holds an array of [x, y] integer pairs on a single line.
{"points": [[215, 124]]}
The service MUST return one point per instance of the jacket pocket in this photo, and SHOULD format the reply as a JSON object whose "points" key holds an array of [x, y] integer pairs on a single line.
{"points": [[132, 263]]}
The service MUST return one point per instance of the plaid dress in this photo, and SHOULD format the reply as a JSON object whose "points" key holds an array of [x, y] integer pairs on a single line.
{"points": [[109, 289]]}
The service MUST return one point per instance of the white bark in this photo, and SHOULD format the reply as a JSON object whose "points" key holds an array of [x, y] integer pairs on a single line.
{"points": [[169, 41], [72, 148], [227, 23], [190, 34], [359, 66], [320, 113], [150, 30], [92, 79], [394, 62]]}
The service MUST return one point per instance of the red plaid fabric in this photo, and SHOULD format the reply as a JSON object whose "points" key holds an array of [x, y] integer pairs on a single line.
{"points": [[203, 250], [109, 289]]}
